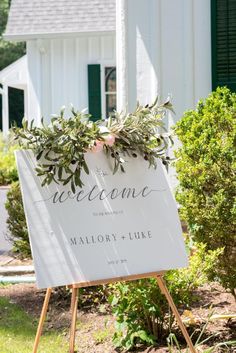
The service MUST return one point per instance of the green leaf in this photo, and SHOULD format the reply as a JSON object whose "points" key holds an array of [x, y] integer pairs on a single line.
{"points": [[116, 167], [85, 166], [39, 155], [25, 123], [72, 186], [31, 124], [44, 182], [122, 168], [78, 181], [67, 180], [154, 103], [60, 170], [114, 300]]}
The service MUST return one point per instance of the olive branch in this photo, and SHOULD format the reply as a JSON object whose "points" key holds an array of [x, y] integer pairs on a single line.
{"points": [[60, 146]]}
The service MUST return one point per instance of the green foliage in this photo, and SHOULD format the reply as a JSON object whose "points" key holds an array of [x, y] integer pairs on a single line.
{"points": [[9, 52], [206, 169], [16, 221], [202, 262], [142, 313], [4, 6], [60, 146], [8, 172]]}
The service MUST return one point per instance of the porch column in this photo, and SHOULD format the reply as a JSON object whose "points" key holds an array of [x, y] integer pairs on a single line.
{"points": [[5, 110], [26, 103], [137, 52]]}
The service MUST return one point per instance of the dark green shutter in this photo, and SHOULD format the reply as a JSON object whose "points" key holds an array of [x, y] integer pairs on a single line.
{"points": [[223, 31], [94, 91], [16, 106]]}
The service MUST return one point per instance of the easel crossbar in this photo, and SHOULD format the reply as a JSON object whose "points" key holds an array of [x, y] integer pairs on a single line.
{"points": [[117, 279]]}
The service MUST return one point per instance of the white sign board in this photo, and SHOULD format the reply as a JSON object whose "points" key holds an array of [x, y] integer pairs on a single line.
{"points": [[117, 225]]}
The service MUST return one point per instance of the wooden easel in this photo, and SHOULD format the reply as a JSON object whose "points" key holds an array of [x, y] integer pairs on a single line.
{"points": [[74, 305]]}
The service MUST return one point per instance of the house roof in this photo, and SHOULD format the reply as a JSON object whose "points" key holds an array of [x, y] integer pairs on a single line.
{"points": [[40, 18]]}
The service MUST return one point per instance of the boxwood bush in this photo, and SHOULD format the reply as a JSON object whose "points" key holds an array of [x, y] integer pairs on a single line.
{"points": [[8, 171], [206, 168], [16, 222]]}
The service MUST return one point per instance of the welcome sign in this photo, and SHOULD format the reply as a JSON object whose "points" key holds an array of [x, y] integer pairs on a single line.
{"points": [[115, 226]]}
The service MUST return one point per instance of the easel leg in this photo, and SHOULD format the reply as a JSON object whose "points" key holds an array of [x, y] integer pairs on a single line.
{"points": [[165, 291], [74, 306], [42, 319]]}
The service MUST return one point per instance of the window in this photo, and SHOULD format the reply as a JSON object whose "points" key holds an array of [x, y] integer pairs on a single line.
{"points": [[223, 28], [101, 91], [110, 90]]}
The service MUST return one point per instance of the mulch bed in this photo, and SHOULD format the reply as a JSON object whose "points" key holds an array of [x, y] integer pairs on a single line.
{"points": [[96, 324]]}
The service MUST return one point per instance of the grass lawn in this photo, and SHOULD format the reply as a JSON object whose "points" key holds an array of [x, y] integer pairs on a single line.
{"points": [[17, 332]]}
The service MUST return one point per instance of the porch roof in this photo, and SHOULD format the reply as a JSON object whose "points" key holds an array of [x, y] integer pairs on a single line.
{"points": [[16, 74]]}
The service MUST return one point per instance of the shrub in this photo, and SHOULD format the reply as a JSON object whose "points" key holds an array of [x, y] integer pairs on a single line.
{"points": [[142, 312], [206, 168], [8, 171], [16, 222]]}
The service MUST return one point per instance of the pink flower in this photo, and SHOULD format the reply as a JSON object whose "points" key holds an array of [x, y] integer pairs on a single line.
{"points": [[109, 140], [98, 146]]}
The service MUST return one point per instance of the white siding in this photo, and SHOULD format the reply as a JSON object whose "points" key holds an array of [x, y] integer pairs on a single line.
{"points": [[167, 46], [173, 37], [185, 52], [58, 71]]}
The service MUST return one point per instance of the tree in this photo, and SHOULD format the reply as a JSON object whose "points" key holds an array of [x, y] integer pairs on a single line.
{"points": [[9, 52]]}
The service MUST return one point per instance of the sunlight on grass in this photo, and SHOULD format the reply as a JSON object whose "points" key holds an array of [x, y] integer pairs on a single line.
{"points": [[17, 332]]}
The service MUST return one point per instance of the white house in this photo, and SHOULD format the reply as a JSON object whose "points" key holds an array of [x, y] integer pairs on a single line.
{"points": [[70, 50], [15, 76], [75, 48]]}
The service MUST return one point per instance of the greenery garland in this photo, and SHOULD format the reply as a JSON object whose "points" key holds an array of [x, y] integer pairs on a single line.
{"points": [[60, 147]]}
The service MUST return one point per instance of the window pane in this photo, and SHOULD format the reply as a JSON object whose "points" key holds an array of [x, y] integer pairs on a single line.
{"points": [[110, 104], [110, 79]]}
